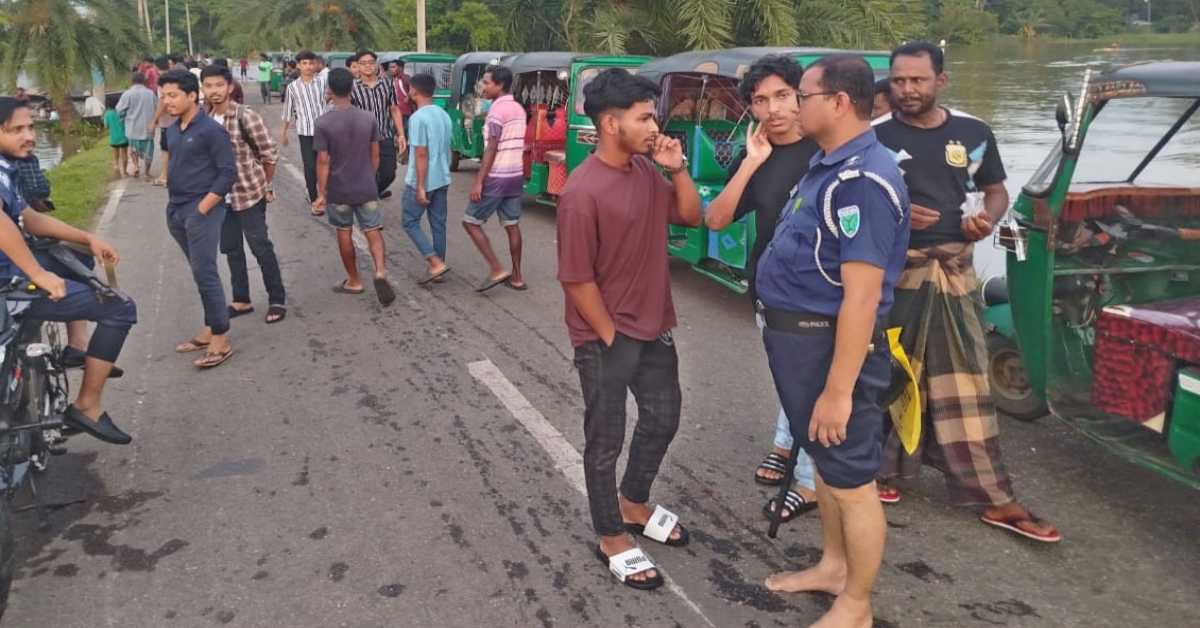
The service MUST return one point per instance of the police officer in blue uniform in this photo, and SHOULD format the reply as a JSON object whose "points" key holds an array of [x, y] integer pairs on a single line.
{"points": [[825, 284]]}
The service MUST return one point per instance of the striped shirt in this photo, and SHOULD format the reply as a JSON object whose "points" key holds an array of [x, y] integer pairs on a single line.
{"points": [[305, 103], [506, 125], [378, 102]]}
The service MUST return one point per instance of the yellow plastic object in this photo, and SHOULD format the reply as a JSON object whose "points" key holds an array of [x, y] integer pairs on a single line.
{"points": [[906, 410]]}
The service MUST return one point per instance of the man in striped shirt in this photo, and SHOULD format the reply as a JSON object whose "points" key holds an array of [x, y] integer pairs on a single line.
{"points": [[305, 103], [501, 178], [378, 97]]}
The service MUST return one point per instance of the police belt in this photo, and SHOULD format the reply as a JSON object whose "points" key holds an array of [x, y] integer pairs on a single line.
{"points": [[807, 322]]}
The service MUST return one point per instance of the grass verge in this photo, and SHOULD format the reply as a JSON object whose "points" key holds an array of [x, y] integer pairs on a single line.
{"points": [[79, 185]]}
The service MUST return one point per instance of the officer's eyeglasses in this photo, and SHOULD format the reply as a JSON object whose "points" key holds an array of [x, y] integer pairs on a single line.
{"points": [[803, 97]]}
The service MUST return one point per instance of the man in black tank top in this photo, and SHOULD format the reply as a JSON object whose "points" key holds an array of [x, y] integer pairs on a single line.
{"points": [[956, 183]]}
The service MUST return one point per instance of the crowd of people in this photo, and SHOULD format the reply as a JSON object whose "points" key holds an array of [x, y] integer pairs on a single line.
{"points": [[869, 197]]}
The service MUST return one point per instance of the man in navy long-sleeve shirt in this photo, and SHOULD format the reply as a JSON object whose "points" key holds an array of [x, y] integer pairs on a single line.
{"points": [[201, 171]]}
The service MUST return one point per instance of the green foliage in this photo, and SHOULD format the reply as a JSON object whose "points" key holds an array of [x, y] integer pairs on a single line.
{"points": [[859, 24], [961, 21], [298, 24], [60, 42], [79, 185], [472, 26]]}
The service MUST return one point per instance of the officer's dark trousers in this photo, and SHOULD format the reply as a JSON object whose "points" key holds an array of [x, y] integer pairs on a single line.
{"points": [[800, 362], [651, 371]]}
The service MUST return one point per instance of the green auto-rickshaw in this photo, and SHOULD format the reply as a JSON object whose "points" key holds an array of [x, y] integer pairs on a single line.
{"points": [[436, 64], [1103, 268], [467, 108], [702, 107], [335, 59], [549, 85]]}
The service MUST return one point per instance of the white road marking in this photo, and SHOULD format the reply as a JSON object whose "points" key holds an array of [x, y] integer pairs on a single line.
{"points": [[360, 242], [110, 208], [566, 458]]}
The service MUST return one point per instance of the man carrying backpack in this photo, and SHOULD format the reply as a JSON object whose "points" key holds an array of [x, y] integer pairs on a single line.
{"points": [[256, 157]]}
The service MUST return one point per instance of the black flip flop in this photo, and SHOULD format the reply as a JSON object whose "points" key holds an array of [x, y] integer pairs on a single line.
{"points": [[342, 289], [275, 310], [773, 462], [434, 277], [521, 288], [492, 283], [234, 312], [648, 584], [794, 505], [384, 290]]}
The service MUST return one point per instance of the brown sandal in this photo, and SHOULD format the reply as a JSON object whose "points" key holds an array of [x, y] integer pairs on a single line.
{"points": [[191, 346], [211, 360]]}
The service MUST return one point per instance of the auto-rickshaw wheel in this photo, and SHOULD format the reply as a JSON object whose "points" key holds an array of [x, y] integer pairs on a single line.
{"points": [[454, 157], [1010, 386]]}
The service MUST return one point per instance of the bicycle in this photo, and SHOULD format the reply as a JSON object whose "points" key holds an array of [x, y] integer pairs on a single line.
{"points": [[34, 394]]}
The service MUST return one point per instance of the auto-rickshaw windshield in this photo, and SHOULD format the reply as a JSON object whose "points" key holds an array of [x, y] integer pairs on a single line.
{"points": [[701, 97], [1143, 140], [440, 71]]}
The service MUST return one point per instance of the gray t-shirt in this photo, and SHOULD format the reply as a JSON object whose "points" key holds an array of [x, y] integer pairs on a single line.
{"points": [[137, 106], [347, 135]]}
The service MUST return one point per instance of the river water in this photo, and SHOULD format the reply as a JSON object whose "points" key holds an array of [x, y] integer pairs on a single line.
{"points": [[1014, 86]]}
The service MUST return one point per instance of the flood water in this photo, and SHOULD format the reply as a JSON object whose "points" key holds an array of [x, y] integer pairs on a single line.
{"points": [[1014, 87]]}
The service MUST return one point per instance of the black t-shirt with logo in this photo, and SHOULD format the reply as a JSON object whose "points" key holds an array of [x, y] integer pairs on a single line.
{"points": [[768, 191], [941, 166]]}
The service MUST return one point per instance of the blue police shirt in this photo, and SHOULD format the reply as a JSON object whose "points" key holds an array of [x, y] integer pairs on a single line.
{"points": [[852, 206], [14, 204]]}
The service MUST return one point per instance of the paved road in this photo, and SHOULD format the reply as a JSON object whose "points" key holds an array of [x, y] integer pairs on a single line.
{"points": [[415, 466]]}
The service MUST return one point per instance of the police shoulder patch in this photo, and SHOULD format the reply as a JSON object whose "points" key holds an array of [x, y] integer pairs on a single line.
{"points": [[849, 219]]}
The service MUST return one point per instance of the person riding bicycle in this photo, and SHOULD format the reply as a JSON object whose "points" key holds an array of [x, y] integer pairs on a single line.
{"points": [[66, 300]]}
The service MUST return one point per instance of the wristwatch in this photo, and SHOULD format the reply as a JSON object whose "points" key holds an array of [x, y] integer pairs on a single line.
{"points": [[683, 165]]}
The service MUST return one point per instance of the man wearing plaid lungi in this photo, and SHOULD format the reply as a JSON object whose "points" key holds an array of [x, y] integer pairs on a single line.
{"points": [[956, 181]]}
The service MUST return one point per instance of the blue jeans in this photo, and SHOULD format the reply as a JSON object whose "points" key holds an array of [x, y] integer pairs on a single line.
{"points": [[804, 474], [437, 220], [113, 318], [199, 236]]}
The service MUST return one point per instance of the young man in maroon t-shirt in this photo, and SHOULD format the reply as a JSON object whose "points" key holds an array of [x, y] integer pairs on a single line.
{"points": [[612, 262]]}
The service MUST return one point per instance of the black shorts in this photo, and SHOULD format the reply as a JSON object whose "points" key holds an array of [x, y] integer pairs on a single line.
{"points": [[799, 363], [162, 140]]}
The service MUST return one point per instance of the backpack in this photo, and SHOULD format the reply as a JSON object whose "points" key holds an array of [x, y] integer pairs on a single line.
{"points": [[249, 139]]}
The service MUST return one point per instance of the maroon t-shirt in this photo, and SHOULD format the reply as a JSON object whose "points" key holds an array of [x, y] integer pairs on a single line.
{"points": [[612, 229]]}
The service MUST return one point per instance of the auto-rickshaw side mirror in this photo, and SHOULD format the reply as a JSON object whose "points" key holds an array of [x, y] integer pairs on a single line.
{"points": [[1062, 115]]}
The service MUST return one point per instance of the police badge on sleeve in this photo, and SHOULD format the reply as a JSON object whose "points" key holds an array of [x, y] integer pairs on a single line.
{"points": [[849, 219]]}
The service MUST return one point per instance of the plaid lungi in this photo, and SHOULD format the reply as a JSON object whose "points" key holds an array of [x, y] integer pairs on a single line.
{"points": [[939, 311]]}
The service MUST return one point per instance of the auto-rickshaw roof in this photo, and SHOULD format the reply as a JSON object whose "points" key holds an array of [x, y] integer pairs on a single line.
{"points": [[536, 61], [471, 58], [730, 62], [1168, 79]]}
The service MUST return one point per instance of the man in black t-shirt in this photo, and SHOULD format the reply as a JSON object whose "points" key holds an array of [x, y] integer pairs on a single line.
{"points": [[956, 182], [775, 159]]}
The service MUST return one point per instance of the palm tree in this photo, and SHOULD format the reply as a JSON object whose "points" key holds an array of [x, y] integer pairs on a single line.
{"points": [[59, 43], [314, 24], [667, 26]]}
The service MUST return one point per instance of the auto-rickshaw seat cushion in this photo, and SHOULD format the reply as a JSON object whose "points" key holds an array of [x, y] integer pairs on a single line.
{"points": [[1158, 203], [1139, 348]]}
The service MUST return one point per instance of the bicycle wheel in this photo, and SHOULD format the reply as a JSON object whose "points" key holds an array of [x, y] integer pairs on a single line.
{"points": [[8, 551]]}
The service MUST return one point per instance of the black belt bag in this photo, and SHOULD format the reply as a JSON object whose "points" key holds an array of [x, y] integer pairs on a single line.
{"points": [[807, 323]]}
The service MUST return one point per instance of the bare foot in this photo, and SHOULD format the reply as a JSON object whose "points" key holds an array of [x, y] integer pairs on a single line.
{"points": [[822, 578], [613, 545], [847, 613]]}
